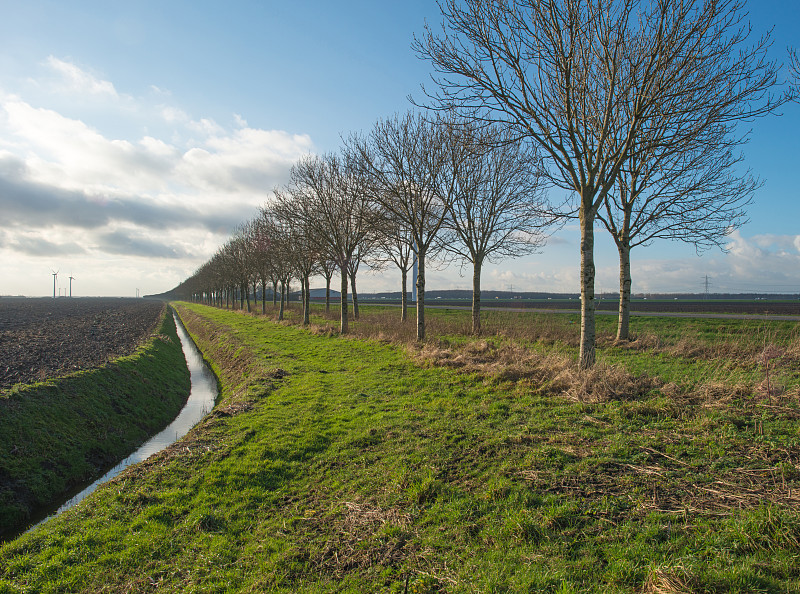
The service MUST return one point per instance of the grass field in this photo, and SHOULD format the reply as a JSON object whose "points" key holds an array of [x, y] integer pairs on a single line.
{"points": [[370, 463]]}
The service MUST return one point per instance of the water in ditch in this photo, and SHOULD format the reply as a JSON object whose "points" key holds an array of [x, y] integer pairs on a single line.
{"points": [[201, 400]]}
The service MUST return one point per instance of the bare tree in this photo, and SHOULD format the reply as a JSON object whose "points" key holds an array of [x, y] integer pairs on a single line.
{"points": [[273, 254], [395, 244], [497, 210], [331, 195], [352, 270], [689, 194], [239, 260], [326, 269], [405, 158], [225, 266], [794, 73], [264, 252], [218, 279], [305, 249], [578, 78]]}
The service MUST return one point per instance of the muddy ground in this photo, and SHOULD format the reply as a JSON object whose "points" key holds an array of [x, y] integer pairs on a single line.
{"points": [[45, 337]]}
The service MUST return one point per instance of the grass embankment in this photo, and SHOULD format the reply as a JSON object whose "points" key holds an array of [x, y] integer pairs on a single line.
{"points": [[335, 465], [66, 431]]}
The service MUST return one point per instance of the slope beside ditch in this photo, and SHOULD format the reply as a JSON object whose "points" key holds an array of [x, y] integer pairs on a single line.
{"points": [[66, 431]]}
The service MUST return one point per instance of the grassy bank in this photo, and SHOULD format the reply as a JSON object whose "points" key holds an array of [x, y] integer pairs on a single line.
{"points": [[66, 431], [334, 464]]}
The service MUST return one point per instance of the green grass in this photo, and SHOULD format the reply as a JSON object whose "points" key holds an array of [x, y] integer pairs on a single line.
{"points": [[334, 464], [66, 431]]}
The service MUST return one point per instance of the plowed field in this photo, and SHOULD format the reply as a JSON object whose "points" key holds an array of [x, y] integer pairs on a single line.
{"points": [[42, 338]]}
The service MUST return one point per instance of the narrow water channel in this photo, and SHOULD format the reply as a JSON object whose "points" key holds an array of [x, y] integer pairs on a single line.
{"points": [[201, 400]]}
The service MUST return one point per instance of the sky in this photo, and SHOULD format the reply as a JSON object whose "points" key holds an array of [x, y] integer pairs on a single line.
{"points": [[135, 136]]}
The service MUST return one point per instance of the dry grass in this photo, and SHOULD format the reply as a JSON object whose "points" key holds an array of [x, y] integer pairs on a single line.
{"points": [[550, 372], [666, 581], [668, 485], [361, 535], [542, 353]]}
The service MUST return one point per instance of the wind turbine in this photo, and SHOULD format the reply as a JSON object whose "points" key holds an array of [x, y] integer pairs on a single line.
{"points": [[55, 274], [71, 278]]}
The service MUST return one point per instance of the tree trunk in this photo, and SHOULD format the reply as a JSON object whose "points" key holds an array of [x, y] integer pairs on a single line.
{"points": [[263, 297], [280, 311], [404, 297], [355, 296], [587, 352], [246, 289], [343, 326], [307, 303], [255, 293], [327, 294], [623, 323], [421, 296], [476, 296], [242, 293], [303, 291], [274, 293]]}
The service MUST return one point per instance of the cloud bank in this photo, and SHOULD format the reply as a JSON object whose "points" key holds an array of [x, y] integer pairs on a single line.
{"points": [[751, 264], [69, 190]]}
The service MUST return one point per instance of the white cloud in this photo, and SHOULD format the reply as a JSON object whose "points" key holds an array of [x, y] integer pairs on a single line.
{"points": [[67, 153], [533, 275], [206, 127], [69, 192], [759, 263], [76, 80], [246, 161], [159, 91], [173, 115]]}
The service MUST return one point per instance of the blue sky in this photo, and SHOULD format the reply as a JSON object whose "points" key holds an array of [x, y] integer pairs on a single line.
{"points": [[135, 135]]}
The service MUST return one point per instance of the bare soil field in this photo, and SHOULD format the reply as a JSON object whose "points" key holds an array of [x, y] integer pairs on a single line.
{"points": [[44, 337]]}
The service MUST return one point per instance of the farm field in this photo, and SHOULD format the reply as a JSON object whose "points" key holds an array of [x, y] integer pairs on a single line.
{"points": [[43, 338], [751, 307], [371, 463]]}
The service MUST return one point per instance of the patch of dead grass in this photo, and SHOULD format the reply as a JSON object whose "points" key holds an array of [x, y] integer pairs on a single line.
{"points": [[552, 372], [667, 581], [358, 539]]}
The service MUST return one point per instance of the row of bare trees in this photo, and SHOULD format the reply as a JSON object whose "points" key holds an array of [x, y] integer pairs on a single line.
{"points": [[412, 189], [634, 107]]}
